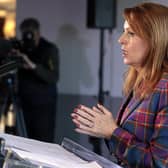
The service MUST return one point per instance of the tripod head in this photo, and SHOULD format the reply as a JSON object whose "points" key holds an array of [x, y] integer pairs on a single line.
{"points": [[8, 72]]}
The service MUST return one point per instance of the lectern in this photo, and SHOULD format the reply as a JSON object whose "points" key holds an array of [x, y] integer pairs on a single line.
{"points": [[19, 152]]}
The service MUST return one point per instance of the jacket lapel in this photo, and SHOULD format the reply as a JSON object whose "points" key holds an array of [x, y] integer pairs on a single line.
{"points": [[135, 105], [120, 119], [123, 106]]}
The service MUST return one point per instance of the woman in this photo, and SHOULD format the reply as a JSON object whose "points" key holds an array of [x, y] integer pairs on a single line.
{"points": [[139, 136]]}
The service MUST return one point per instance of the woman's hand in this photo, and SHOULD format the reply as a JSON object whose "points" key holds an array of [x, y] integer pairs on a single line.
{"points": [[95, 121]]}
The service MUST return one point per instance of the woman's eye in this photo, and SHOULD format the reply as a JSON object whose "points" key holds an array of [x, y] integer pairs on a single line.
{"points": [[131, 33]]}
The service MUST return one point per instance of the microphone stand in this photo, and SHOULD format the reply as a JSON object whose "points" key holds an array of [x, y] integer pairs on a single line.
{"points": [[96, 142]]}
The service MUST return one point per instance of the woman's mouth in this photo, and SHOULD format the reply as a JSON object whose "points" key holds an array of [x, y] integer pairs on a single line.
{"points": [[124, 53]]}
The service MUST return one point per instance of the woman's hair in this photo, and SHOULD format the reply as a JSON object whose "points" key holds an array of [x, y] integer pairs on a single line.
{"points": [[150, 22]]}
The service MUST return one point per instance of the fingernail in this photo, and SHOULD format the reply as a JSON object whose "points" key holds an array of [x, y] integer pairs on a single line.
{"points": [[75, 110], [79, 106], [98, 104], [75, 117]]}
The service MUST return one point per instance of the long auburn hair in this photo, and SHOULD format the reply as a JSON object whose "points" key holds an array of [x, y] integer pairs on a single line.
{"points": [[150, 22]]}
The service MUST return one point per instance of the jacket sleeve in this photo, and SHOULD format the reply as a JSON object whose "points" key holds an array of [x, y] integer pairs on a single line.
{"points": [[135, 153], [49, 71]]}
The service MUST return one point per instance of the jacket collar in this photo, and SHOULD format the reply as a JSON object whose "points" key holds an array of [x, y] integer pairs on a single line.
{"points": [[120, 119]]}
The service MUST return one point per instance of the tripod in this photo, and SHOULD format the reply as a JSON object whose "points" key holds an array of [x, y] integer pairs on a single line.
{"points": [[11, 108]]}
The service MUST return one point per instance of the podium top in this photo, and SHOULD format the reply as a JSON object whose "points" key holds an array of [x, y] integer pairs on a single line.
{"points": [[32, 153], [13, 163], [86, 154]]}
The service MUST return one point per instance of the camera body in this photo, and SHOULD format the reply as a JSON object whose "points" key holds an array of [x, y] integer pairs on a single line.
{"points": [[26, 45]]}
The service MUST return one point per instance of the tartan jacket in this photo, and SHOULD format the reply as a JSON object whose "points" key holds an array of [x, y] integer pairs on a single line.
{"points": [[141, 140]]}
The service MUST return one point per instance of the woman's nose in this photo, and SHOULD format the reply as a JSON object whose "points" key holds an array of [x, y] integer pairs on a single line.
{"points": [[121, 39]]}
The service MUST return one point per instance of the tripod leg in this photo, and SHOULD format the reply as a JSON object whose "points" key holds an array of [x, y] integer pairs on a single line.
{"points": [[2, 114], [20, 123], [10, 120]]}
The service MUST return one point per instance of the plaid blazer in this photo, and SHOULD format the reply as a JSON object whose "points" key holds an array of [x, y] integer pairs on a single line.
{"points": [[142, 137]]}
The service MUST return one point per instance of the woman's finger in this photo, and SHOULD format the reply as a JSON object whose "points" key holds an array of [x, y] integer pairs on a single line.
{"points": [[103, 109], [87, 109], [79, 120], [84, 114], [96, 110]]}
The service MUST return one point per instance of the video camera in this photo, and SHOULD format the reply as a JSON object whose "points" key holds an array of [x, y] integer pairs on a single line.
{"points": [[26, 44], [8, 59]]}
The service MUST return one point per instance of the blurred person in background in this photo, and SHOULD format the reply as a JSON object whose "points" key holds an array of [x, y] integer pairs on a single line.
{"points": [[37, 81]]}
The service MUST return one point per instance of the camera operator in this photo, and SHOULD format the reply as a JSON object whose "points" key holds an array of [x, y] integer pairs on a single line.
{"points": [[37, 80]]}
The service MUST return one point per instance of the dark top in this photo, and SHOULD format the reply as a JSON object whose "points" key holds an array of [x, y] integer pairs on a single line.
{"points": [[46, 74]]}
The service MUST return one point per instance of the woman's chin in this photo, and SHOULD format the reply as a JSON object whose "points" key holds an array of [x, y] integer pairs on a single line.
{"points": [[126, 62]]}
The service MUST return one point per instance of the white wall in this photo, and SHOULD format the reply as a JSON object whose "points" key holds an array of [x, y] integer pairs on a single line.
{"points": [[64, 22]]}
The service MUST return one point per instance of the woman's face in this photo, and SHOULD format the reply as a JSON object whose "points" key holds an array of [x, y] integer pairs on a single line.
{"points": [[134, 48]]}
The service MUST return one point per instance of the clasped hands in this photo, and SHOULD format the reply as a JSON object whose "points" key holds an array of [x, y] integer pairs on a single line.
{"points": [[97, 121]]}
